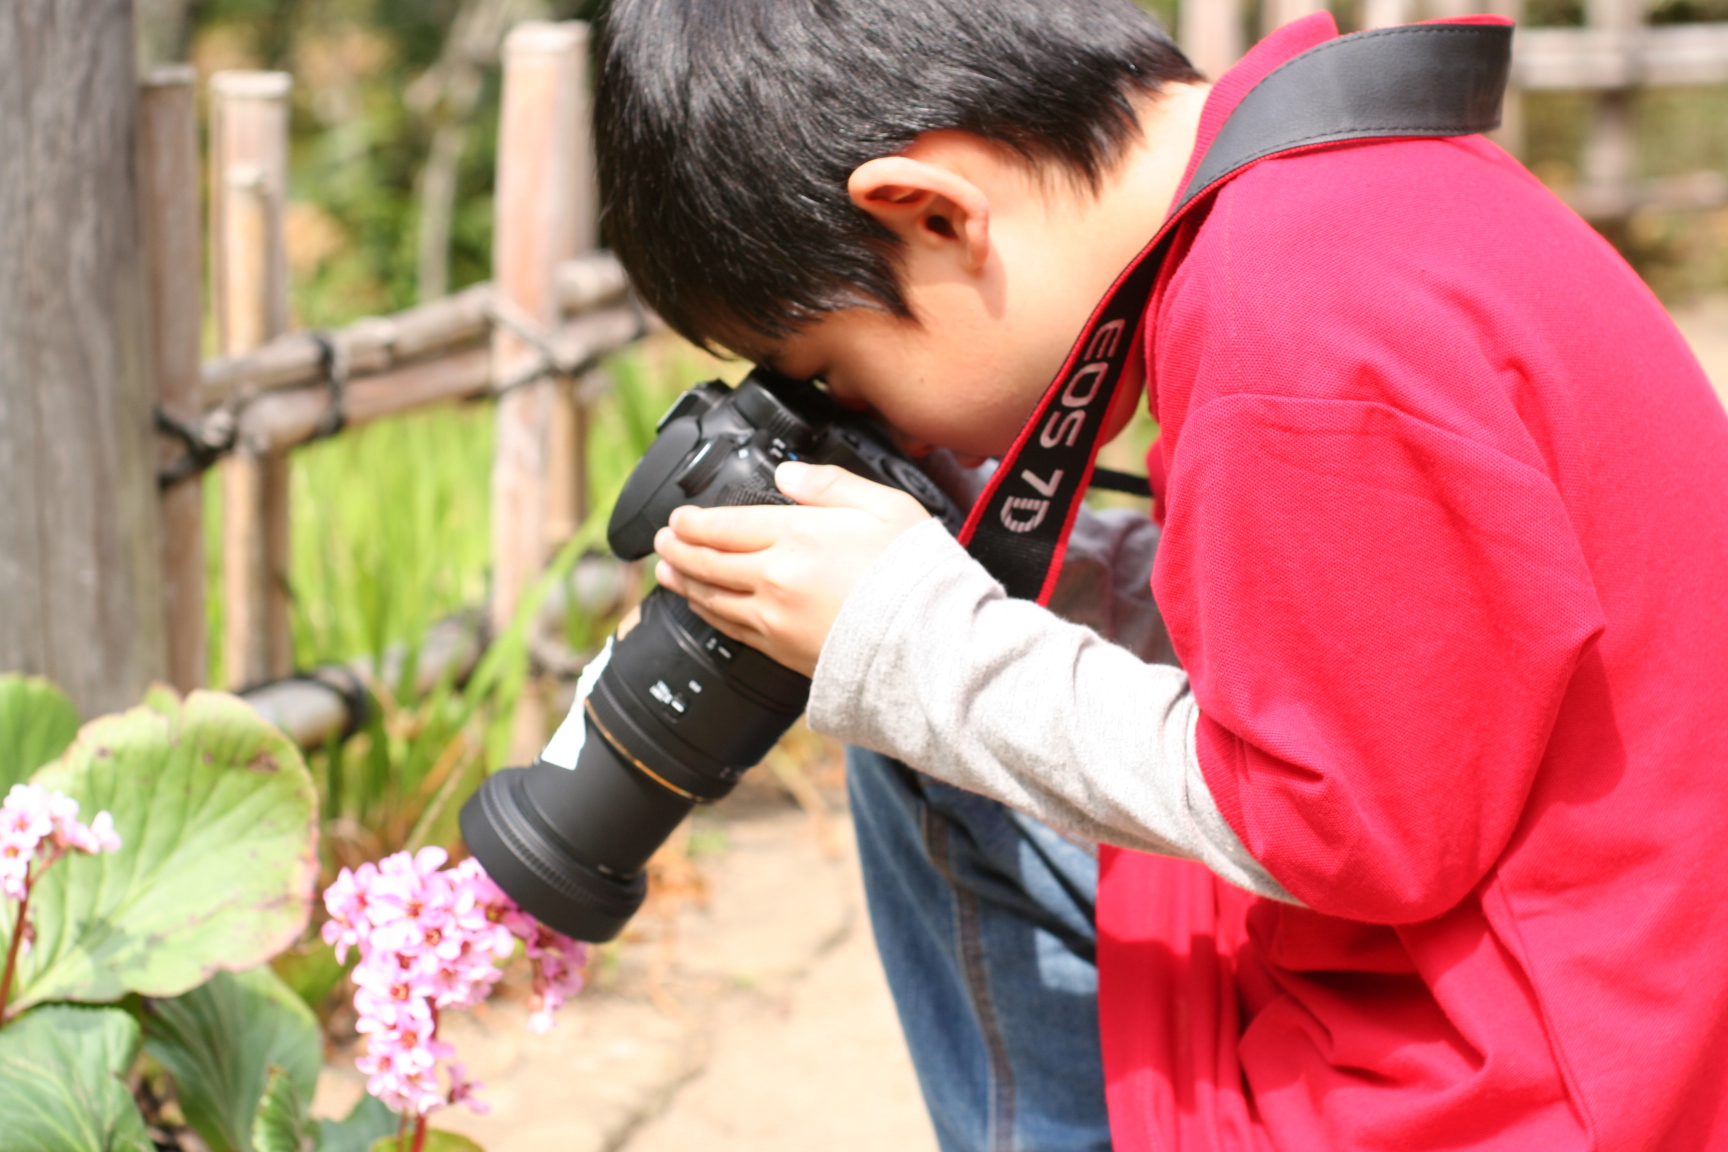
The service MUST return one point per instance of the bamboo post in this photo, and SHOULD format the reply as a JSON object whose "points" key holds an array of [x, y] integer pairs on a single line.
{"points": [[169, 218], [1211, 34], [249, 279], [80, 552], [567, 485], [1274, 14], [1387, 13], [1610, 156], [1510, 134], [538, 223]]}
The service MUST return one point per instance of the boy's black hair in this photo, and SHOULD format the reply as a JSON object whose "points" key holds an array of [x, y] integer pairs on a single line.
{"points": [[727, 130]]}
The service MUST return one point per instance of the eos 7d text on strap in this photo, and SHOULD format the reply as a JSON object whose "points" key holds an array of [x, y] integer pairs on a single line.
{"points": [[1418, 80]]}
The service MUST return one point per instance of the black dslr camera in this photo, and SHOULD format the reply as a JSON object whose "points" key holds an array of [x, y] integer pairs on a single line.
{"points": [[680, 710]]}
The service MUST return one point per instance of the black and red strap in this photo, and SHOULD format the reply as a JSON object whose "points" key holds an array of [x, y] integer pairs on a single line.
{"points": [[1438, 79]]}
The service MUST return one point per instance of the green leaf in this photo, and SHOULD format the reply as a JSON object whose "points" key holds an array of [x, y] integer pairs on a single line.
{"points": [[312, 970], [369, 1121], [281, 1124], [161, 698], [37, 721], [218, 855], [220, 1041], [437, 1140], [61, 1086]]}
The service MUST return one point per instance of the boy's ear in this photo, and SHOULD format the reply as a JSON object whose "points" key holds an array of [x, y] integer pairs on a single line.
{"points": [[926, 206]]}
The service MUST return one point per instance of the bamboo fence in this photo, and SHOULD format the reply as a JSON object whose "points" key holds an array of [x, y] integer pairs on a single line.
{"points": [[529, 339]]}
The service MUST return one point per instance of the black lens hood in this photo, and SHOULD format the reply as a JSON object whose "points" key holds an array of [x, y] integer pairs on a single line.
{"points": [[502, 828]]}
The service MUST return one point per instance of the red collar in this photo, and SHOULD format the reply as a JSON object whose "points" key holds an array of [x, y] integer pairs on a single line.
{"points": [[1262, 60]]}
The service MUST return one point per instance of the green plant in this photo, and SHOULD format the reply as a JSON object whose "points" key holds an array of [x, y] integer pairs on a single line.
{"points": [[157, 942], [391, 534]]}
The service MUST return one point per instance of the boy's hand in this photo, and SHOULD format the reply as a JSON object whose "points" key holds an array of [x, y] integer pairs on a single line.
{"points": [[775, 577]]}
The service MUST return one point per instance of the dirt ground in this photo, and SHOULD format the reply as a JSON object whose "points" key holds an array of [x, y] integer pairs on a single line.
{"points": [[746, 1010]]}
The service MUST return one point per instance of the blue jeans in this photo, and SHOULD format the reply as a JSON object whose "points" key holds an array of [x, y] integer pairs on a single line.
{"points": [[984, 920]]}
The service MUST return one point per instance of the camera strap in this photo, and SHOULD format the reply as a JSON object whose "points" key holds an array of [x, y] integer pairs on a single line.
{"points": [[1437, 79]]}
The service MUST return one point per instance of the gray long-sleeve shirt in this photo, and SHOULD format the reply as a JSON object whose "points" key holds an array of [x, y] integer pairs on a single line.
{"points": [[1085, 722]]}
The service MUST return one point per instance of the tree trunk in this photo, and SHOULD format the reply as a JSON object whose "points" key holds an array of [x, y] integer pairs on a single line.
{"points": [[80, 552]]}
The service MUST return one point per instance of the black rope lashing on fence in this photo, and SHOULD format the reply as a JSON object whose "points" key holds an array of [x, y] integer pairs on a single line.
{"points": [[217, 434], [514, 319], [210, 439], [206, 442], [334, 361]]}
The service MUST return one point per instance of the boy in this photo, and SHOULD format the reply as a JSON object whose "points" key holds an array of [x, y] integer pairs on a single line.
{"points": [[1417, 847]]}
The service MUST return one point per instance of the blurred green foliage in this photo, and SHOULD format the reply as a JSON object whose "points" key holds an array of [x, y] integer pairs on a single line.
{"points": [[357, 146], [391, 534]]}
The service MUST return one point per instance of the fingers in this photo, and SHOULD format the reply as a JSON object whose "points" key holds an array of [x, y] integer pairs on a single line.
{"points": [[826, 486], [750, 528], [739, 571], [733, 612]]}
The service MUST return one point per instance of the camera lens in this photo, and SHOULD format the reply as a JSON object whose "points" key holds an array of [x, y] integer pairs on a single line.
{"points": [[679, 714], [518, 825], [680, 711]]}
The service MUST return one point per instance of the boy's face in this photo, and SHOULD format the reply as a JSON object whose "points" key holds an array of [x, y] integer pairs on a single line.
{"points": [[957, 378], [1001, 264]]}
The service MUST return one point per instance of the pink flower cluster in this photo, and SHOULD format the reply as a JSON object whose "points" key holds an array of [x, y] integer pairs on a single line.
{"points": [[36, 822], [432, 938]]}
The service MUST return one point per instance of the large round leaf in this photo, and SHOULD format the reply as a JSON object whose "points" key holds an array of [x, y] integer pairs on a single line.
{"points": [[222, 1040], [216, 817], [281, 1123], [37, 721], [60, 1082], [367, 1122]]}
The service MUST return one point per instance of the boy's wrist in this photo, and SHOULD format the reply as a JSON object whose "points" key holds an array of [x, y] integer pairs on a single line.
{"points": [[886, 589]]}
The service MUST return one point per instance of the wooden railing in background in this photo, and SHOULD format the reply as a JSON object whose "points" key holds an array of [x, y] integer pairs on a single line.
{"points": [[531, 338]]}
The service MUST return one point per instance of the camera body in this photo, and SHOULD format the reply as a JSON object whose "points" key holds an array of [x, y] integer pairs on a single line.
{"points": [[719, 446], [679, 711]]}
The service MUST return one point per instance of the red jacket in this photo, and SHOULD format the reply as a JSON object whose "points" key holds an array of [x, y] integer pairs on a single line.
{"points": [[1446, 557]]}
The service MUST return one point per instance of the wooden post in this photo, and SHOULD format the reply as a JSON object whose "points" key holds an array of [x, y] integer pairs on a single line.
{"points": [[249, 280], [1610, 156], [169, 218], [539, 219], [567, 485], [1510, 134], [1211, 34], [1387, 13], [80, 544], [1274, 14]]}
